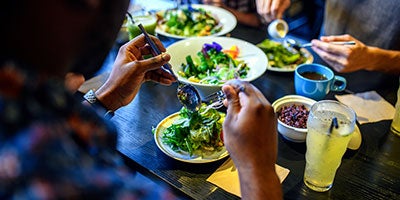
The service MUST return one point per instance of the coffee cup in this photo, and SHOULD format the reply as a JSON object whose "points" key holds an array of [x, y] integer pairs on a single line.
{"points": [[278, 28], [315, 81]]}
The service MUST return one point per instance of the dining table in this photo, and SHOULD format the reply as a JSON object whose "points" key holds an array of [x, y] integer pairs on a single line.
{"points": [[370, 172]]}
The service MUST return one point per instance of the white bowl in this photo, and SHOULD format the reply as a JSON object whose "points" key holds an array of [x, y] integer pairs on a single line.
{"points": [[251, 54], [289, 132]]}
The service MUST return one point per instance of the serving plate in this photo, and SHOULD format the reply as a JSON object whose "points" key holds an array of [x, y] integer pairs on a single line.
{"points": [[183, 156], [291, 68], [253, 56], [227, 19]]}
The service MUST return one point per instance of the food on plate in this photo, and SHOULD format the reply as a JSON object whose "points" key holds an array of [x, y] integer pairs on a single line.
{"points": [[294, 115], [281, 57], [188, 22], [196, 132], [213, 65]]}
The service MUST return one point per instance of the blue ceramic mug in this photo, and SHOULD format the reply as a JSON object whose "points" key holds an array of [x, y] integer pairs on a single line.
{"points": [[315, 81]]}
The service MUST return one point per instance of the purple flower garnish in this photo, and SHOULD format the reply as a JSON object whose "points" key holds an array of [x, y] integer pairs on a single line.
{"points": [[214, 45]]}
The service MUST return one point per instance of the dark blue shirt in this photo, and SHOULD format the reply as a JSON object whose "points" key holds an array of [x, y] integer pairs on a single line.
{"points": [[53, 147]]}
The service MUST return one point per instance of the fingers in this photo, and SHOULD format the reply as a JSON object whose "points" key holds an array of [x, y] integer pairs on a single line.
{"points": [[272, 9], [140, 41], [278, 7], [264, 9], [139, 46], [337, 62], [152, 63], [334, 38], [232, 99], [243, 95], [160, 76], [331, 48]]}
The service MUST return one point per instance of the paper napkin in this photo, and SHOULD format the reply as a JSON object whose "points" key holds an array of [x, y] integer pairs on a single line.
{"points": [[227, 177], [369, 106]]}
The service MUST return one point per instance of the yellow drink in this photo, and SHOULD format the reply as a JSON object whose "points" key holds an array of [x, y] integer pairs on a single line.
{"points": [[326, 146], [149, 23]]}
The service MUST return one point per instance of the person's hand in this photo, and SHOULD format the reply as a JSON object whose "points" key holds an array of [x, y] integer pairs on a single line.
{"points": [[271, 9], [130, 70], [343, 58], [250, 137], [250, 132]]}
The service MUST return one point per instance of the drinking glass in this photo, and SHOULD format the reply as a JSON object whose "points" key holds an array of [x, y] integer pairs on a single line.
{"points": [[330, 126], [148, 21], [395, 127]]}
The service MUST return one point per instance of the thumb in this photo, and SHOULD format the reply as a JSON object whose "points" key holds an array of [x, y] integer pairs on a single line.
{"points": [[232, 97]]}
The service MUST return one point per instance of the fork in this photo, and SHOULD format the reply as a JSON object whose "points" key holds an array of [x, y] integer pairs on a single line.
{"points": [[215, 100]]}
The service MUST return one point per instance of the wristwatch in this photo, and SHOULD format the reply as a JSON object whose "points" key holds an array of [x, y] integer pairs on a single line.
{"points": [[91, 98]]}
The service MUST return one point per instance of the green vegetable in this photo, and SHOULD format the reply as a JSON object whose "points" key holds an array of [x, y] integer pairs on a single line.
{"points": [[279, 56], [213, 66], [195, 132], [187, 23]]}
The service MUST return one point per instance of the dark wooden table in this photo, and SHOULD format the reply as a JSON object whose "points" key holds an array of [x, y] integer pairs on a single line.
{"points": [[371, 172]]}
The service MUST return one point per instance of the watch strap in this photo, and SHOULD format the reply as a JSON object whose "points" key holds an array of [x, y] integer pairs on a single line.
{"points": [[91, 98]]}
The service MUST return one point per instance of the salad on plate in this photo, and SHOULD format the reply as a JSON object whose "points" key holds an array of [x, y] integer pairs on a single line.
{"points": [[198, 133], [188, 22], [281, 58], [214, 65]]}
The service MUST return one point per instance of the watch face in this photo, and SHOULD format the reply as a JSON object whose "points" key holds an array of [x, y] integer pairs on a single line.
{"points": [[90, 97]]}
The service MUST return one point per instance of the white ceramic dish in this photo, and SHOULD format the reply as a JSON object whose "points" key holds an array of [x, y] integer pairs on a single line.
{"points": [[182, 156], [299, 134], [226, 18], [292, 133], [251, 54], [291, 68]]}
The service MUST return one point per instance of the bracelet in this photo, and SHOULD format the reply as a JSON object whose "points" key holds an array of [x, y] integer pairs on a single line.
{"points": [[91, 98]]}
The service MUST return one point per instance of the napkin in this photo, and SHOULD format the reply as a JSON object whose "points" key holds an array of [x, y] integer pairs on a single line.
{"points": [[227, 177], [369, 106]]}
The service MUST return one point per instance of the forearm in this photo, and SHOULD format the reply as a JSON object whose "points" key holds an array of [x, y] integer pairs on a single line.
{"points": [[260, 183], [384, 60]]}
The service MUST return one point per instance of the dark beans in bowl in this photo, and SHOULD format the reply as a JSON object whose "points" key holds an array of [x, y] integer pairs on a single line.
{"points": [[294, 115]]}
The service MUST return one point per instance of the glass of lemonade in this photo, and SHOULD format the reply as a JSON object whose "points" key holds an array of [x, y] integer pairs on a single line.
{"points": [[149, 23], [327, 141]]}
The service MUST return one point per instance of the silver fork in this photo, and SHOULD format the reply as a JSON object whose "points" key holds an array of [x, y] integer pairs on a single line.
{"points": [[215, 100]]}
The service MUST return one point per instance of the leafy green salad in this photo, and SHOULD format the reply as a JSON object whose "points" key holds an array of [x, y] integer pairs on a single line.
{"points": [[196, 132], [188, 22], [279, 56], [214, 65]]}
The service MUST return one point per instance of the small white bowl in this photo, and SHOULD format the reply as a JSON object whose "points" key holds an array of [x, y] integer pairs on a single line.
{"points": [[289, 132]]}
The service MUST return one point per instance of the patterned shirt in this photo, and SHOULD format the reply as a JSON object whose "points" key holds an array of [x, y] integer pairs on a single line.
{"points": [[53, 147]]}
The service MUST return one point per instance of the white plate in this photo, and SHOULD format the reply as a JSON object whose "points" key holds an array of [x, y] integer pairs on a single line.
{"points": [[291, 68], [227, 19], [253, 56], [183, 156]]}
